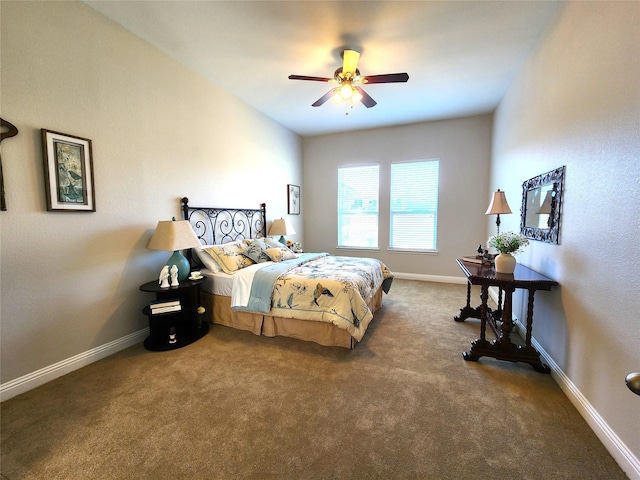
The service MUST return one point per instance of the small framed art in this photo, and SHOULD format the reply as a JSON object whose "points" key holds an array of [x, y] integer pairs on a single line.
{"points": [[293, 197], [68, 168]]}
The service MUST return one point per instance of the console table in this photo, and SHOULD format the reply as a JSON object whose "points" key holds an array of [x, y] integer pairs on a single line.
{"points": [[502, 348]]}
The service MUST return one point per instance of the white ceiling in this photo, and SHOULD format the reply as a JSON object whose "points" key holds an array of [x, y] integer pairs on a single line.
{"points": [[460, 56]]}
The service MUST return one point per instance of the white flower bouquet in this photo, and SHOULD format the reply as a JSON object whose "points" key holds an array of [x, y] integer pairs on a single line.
{"points": [[508, 242]]}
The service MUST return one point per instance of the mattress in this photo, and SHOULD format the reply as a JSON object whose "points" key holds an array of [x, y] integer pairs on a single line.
{"points": [[216, 283]]}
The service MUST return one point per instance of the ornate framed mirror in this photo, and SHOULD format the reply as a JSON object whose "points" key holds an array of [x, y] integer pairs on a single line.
{"points": [[542, 206]]}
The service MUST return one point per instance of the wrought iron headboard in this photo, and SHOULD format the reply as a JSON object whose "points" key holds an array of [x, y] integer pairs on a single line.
{"points": [[214, 226]]}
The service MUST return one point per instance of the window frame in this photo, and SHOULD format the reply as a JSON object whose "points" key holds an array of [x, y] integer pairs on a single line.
{"points": [[435, 211], [340, 212]]}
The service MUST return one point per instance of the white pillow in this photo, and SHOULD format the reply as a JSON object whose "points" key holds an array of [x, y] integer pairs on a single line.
{"points": [[206, 259], [271, 243]]}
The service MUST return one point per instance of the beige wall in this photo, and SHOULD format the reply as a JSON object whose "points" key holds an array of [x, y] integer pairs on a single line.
{"points": [[577, 103], [464, 149], [70, 280]]}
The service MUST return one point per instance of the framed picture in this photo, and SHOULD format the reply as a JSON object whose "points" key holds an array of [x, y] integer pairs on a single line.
{"points": [[68, 169], [293, 197]]}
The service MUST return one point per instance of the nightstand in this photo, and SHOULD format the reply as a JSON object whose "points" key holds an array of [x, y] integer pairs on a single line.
{"points": [[174, 329]]}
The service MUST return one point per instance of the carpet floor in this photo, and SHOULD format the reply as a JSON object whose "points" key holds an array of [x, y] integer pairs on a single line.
{"points": [[402, 405]]}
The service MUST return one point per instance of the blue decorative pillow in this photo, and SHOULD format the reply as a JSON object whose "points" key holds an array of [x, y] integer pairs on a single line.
{"points": [[256, 252]]}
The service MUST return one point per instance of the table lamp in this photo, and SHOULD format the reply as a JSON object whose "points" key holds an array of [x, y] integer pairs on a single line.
{"points": [[498, 206], [281, 227], [174, 236]]}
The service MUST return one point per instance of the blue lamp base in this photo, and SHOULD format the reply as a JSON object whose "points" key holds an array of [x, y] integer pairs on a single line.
{"points": [[180, 261], [282, 240]]}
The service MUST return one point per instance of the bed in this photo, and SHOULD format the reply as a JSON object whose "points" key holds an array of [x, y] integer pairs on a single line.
{"points": [[254, 283]]}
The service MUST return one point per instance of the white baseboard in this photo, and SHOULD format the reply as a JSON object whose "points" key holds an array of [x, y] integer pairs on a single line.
{"points": [[616, 447], [618, 450], [429, 278], [40, 377]]}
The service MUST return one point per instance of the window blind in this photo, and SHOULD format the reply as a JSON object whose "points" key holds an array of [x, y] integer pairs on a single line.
{"points": [[414, 205], [358, 206]]}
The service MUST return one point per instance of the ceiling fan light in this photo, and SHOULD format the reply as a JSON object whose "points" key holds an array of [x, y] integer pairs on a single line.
{"points": [[356, 97], [346, 91], [337, 98]]}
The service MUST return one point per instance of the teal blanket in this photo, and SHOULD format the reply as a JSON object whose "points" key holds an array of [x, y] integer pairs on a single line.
{"points": [[262, 286]]}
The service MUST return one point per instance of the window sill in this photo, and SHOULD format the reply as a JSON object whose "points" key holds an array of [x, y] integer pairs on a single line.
{"points": [[421, 252], [369, 249]]}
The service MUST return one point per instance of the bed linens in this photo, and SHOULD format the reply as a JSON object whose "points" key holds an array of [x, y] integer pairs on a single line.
{"points": [[218, 226], [316, 287], [216, 283], [253, 287]]}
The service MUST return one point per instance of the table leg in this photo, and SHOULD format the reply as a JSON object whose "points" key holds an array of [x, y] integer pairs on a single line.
{"points": [[503, 348], [467, 311], [481, 343], [532, 353], [474, 312]]}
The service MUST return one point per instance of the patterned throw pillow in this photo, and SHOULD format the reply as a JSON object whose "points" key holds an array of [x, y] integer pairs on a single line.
{"points": [[279, 254], [206, 258], [255, 251], [229, 256]]}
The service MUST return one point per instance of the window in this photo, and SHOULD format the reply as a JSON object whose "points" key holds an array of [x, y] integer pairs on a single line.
{"points": [[414, 205], [358, 206]]}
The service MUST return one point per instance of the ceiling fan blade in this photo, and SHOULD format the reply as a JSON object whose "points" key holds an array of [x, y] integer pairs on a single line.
{"points": [[323, 99], [315, 79], [387, 78], [366, 100], [350, 61]]}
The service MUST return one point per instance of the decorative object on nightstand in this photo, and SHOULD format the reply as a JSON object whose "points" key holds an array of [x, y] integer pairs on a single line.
{"points": [[506, 244], [281, 227], [174, 276], [175, 316], [164, 277], [174, 236], [296, 247], [498, 206]]}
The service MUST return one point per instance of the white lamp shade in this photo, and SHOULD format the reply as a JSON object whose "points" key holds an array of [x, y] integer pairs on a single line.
{"points": [[173, 235], [498, 204], [281, 227]]}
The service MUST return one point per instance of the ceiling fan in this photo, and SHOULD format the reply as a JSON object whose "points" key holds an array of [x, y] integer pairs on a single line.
{"points": [[349, 82]]}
